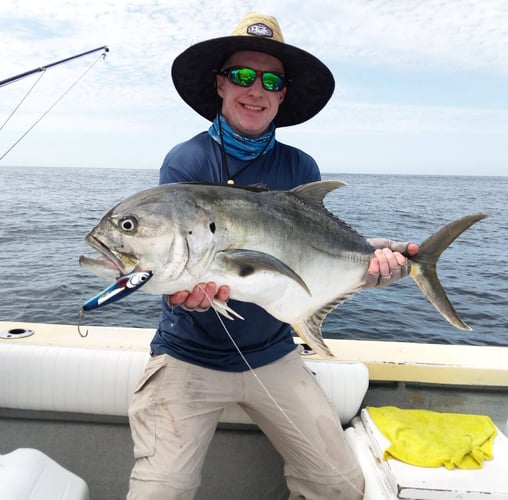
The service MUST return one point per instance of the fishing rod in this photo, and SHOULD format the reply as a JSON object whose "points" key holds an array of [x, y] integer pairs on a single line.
{"points": [[47, 66], [42, 70]]}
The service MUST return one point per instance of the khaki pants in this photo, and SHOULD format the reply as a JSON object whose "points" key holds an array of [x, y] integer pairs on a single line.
{"points": [[176, 407]]}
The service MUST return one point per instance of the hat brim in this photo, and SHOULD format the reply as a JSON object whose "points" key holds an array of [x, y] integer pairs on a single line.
{"points": [[310, 82]]}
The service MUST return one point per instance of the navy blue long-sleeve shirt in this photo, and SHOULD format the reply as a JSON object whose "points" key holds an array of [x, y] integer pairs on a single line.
{"points": [[199, 337]]}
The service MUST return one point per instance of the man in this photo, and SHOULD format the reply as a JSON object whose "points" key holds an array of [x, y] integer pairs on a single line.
{"points": [[247, 85]]}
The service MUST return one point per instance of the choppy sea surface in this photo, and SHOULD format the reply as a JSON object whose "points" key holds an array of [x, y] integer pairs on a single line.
{"points": [[46, 213]]}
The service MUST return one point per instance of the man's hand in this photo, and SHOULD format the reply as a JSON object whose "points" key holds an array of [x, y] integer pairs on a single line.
{"points": [[389, 264], [200, 298]]}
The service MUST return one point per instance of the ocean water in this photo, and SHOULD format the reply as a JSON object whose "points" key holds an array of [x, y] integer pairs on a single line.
{"points": [[46, 213]]}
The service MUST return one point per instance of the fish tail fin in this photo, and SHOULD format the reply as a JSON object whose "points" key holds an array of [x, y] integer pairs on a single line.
{"points": [[423, 267]]}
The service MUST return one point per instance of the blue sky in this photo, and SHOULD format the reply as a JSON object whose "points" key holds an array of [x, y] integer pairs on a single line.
{"points": [[421, 86]]}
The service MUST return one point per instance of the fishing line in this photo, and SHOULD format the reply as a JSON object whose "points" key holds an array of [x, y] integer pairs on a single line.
{"points": [[268, 393], [102, 56], [22, 100]]}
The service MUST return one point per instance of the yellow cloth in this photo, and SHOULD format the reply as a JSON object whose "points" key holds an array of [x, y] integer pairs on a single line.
{"points": [[431, 439]]}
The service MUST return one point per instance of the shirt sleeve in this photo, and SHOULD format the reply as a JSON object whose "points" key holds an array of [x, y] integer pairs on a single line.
{"points": [[194, 160], [168, 174]]}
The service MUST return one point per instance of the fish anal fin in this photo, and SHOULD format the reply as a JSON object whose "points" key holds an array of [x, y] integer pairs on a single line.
{"points": [[312, 338], [309, 329], [246, 262]]}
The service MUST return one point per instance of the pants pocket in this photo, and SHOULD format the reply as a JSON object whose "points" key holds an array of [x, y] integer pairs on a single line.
{"points": [[142, 410]]}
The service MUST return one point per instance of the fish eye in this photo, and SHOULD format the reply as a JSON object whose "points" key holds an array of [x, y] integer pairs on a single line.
{"points": [[128, 223], [139, 278]]}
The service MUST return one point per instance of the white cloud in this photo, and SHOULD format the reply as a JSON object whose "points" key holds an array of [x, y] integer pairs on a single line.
{"points": [[416, 33], [131, 91], [463, 33], [348, 117]]}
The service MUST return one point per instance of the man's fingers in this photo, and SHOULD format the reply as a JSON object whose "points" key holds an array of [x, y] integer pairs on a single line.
{"points": [[177, 298], [395, 246], [386, 267], [412, 248], [387, 261], [200, 298], [373, 266], [208, 295], [223, 293]]}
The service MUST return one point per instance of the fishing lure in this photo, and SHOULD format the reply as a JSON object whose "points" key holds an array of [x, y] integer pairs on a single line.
{"points": [[118, 290]]}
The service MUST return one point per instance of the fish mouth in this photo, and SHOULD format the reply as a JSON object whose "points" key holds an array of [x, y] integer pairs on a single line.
{"points": [[110, 262]]}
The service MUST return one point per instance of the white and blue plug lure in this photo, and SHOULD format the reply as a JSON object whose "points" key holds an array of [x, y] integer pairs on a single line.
{"points": [[121, 288]]}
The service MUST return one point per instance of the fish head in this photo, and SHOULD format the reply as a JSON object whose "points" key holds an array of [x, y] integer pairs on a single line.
{"points": [[156, 230]]}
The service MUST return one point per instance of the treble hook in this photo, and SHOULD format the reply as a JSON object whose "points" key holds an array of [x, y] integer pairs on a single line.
{"points": [[80, 320]]}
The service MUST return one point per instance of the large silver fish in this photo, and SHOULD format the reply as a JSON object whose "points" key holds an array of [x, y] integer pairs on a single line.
{"points": [[282, 250]]}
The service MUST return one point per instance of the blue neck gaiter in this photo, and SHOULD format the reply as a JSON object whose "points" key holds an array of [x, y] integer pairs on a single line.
{"points": [[240, 146]]}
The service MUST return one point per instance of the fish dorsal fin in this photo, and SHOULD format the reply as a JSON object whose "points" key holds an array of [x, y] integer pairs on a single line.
{"points": [[309, 329], [314, 192], [245, 262]]}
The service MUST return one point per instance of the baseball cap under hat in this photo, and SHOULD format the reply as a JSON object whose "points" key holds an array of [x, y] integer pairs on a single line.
{"points": [[310, 83]]}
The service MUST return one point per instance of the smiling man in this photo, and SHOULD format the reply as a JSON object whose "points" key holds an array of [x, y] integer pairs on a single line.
{"points": [[250, 110], [247, 85]]}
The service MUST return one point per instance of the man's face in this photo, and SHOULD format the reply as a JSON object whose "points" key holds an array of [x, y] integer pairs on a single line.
{"points": [[250, 110]]}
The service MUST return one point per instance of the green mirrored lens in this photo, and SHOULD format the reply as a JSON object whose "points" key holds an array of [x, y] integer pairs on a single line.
{"points": [[272, 81], [243, 76]]}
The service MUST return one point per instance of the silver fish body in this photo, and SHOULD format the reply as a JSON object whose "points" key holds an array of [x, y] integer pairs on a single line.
{"points": [[282, 250]]}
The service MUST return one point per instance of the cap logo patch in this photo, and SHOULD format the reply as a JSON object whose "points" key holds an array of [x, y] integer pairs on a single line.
{"points": [[259, 29]]}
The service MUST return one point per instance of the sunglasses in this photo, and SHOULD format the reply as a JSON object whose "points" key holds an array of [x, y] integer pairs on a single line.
{"points": [[245, 77]]}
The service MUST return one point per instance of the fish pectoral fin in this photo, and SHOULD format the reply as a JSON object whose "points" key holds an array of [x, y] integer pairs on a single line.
{"points": [[246, 262]]}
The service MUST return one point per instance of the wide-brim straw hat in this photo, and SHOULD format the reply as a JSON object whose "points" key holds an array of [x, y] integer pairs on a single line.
{"points": [[310, 83]]}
